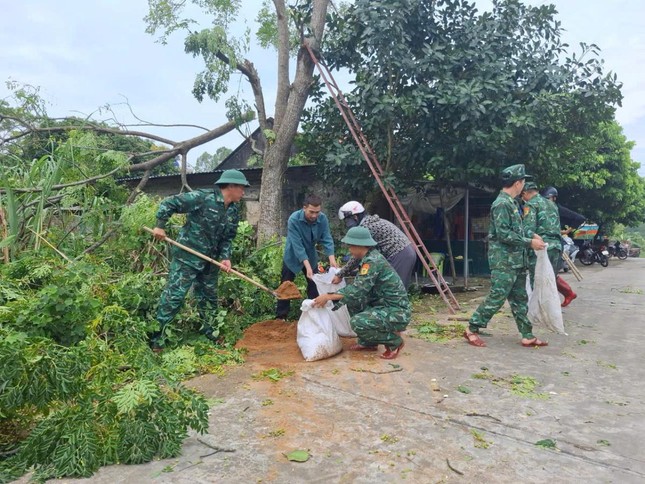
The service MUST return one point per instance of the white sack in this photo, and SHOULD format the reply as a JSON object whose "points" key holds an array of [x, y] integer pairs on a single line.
{"points": [[339, 317], [316, 337], [544, 300]]}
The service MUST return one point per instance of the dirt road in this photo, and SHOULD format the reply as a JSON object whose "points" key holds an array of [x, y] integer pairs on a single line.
{"points": [[441, 412]]}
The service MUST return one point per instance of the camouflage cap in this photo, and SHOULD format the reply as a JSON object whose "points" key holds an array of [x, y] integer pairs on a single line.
{"points": [[530, 186], [514, 173]]}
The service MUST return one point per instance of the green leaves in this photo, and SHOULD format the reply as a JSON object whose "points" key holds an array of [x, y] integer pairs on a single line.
{"points": [[134, 394], [547, 444], [298, 456]]}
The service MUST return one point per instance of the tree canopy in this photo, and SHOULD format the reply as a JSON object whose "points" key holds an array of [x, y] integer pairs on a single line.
{"points": [[446, 92], [289, 28]]}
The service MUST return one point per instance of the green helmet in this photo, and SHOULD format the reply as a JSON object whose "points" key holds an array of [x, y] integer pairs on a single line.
{"points": [[359, 236], [235, 177]]}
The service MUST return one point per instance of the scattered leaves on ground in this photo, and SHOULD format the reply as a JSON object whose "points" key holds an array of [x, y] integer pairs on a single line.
{"points": [[272, 374], [546, 444], [463, 389], [389, 439], [298, 456], [480, 441], [606, 364], [437, 333], [520, 385]]}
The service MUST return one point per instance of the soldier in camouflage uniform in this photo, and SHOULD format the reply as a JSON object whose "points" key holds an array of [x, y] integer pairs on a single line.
{"points": [[212, 217], [377, 300], [542, 217], [508, 261]]}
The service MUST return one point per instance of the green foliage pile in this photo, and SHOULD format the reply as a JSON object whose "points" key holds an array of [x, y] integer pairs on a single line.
{"points": [[79, 386]]}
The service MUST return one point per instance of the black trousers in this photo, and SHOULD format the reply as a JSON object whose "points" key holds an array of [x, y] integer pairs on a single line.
{"points": [[283, 306]]}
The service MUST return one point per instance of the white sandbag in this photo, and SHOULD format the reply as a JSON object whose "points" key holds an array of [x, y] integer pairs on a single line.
{"points": [[339, 317], [317, 338], [544, 301]]}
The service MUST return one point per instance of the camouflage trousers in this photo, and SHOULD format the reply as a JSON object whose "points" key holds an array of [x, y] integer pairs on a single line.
{"points": [[505, 284], [378, 325], [181, 278], [555, 257]]}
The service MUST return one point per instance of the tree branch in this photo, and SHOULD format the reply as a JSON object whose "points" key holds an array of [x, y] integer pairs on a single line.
{"points": [[248, 69], [282, 94], [89, 126], [65, 185]]}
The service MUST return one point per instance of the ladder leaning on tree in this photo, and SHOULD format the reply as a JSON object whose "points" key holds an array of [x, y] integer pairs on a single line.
{"points": [[390, 195]]}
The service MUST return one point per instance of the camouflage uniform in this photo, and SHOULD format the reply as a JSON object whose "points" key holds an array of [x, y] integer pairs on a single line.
{"points": [[541, 217], [378, 302], [210, 228], [508, 261]]}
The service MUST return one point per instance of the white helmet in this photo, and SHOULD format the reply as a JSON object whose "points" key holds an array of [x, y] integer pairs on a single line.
{"points": [[350, 208]]}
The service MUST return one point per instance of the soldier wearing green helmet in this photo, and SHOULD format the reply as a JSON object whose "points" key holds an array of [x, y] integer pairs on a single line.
{"points": [[507, 258], [212, 217], [377, 301]]}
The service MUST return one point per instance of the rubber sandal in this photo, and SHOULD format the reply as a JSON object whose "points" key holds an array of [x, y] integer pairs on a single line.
{"points": [[474, 339], [389, 354], [535, 343], [357, 347]]}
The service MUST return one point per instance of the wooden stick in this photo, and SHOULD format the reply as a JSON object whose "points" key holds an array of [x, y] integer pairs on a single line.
{"points": [[47, 242], [5, 249], [213, 261], [574, 269]]}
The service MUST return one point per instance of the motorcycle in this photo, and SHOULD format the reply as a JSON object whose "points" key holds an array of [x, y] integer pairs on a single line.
{"points": [[617, 250], [589, 254]]}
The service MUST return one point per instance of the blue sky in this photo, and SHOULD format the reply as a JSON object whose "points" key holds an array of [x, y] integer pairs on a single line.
{"points": [[84, 55]]}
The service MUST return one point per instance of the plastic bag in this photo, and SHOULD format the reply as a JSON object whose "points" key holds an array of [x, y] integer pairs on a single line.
{"points": [[317, 338], [339, 317], [544, 301]]}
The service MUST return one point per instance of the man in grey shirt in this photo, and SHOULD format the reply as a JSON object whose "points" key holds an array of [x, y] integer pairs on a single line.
{"points": [[390, 240]]}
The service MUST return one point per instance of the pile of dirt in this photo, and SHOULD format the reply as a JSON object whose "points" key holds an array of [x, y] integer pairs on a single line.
{"points": [[288, 290], [271, 342]]}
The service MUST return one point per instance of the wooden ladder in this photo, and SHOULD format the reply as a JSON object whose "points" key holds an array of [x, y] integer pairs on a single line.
{"points": [[390, 195]]}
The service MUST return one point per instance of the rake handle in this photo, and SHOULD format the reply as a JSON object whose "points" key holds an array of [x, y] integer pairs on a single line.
{"points": [[213, 261]]}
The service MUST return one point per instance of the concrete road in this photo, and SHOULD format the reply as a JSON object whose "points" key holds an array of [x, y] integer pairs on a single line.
{"points": [[449, 412]]}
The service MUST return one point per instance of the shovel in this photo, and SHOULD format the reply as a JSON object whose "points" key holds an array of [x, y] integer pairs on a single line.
{"points": [[286, 290]]}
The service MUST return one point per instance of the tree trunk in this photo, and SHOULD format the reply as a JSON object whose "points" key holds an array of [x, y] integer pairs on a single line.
{"points": [[276, 157]]}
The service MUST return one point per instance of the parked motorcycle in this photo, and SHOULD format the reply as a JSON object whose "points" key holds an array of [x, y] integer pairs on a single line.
{"points": [[617, 250], [590, 254]]}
